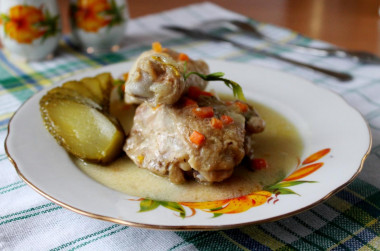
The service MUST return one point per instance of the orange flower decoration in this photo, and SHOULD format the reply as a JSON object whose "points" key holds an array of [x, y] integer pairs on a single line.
{"points": [[26, 23], [21, 23], [231, 206], [90, 16], [241, 204]]}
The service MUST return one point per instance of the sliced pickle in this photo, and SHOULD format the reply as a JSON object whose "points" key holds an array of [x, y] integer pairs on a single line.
{"points": [[77, 115], [105, 80], [106, 84], [82, 130], [93, 85], [64, 93], [82, 90]]}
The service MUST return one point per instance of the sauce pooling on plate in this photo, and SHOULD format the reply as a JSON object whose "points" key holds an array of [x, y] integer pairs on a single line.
{"points": [[280, 145]]}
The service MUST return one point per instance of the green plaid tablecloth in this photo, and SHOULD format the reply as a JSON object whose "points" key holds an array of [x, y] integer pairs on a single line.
{"points": [[348, 220]]}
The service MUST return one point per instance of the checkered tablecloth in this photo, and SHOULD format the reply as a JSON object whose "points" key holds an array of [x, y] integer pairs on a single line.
{"points": [[348, 220]]}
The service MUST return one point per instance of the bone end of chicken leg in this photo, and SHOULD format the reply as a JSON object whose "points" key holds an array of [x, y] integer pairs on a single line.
{"points": [[157, 78]]}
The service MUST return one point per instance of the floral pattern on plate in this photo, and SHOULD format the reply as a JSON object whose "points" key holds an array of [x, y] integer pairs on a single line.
{"points": [[269, 194]]}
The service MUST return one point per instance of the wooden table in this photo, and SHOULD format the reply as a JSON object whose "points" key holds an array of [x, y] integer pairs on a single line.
{"points": [[352, 24]]}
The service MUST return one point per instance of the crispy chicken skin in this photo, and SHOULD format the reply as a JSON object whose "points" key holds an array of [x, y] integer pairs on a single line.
{"points": [[156, 78], [160, 139]]}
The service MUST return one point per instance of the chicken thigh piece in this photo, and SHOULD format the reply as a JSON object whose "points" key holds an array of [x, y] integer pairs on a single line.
{"points": [[168, 146], [157, 78]]}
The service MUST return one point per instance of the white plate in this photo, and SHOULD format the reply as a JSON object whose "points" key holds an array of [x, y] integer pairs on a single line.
{"points": [[324, 120]]}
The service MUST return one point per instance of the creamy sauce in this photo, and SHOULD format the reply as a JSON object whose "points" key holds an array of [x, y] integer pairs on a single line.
{"points": [[280, 144]]}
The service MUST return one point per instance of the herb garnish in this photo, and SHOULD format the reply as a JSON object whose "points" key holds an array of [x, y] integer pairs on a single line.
{"points": [[218, 76], [120, 87]]}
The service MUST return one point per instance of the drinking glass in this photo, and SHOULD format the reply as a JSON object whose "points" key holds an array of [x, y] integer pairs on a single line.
{"points": [[29, 29], [98, 26]]}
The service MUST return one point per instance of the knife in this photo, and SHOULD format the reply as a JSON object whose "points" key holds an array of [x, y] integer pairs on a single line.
{"points": [[198, 34]]}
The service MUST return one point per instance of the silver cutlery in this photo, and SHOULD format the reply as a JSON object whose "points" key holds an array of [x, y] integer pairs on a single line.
{"points": [[198, 34], [359, 56]]}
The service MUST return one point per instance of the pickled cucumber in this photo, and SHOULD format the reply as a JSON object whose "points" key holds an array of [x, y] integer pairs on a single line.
{"points": [[77, 115], [64, 93], [94, 87], [83, 130], [105, 80], [82, 90], [106, 84]]}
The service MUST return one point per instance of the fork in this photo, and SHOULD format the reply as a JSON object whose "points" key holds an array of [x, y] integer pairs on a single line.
{"points": [[359, 56], [198, 34]]}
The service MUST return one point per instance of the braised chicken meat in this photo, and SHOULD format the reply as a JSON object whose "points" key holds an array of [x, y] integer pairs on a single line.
{"points": [[156, 78], [179, 129], [206, 139]]}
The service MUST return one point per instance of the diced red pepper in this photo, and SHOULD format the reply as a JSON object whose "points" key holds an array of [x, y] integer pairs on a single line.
{"points": [[204, 112], [259, 164], [226, 119], [216, 123], [197, 138], [183, 57]]}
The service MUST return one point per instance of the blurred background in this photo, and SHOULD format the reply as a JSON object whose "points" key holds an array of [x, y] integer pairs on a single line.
{"points": [[351, 24]]}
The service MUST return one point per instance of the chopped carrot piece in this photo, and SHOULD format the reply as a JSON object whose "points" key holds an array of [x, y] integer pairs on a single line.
{"points": [[183, 57], [155, 108], [204, 112], [206, 94], [122, 87], [228, 102], [190, 102], [242, 106], [194, 92], [125, 76], [216, 123], [197, 138], [140, 158], [157, 47], [126, 107], [259, 164], [226, 119]]}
